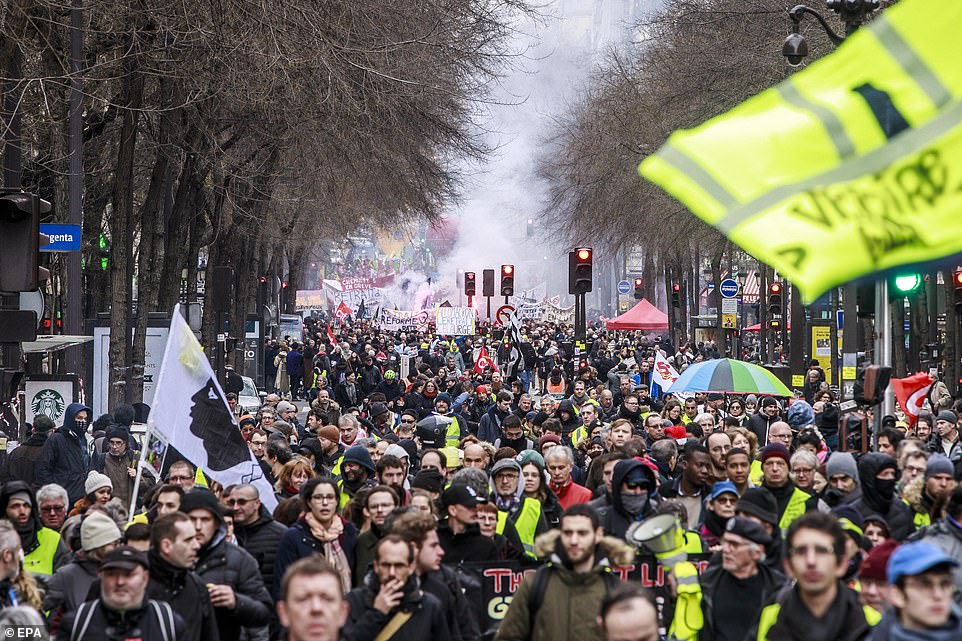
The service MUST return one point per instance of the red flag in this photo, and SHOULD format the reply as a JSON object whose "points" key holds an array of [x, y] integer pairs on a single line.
{"points": [[342, 312], [911, 393], [330, 337], [484, 361]]}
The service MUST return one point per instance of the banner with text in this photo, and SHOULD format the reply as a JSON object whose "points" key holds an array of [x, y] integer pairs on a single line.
{"points": [[551, 313], [307, 299], [393, 320], [455, 321]]}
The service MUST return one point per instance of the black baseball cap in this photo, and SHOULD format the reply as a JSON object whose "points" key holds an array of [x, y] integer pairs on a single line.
{"points": [[462, 495], [125, 557]]}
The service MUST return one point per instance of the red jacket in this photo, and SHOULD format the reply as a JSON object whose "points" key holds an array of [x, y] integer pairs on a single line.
{"points": [[571, 494]]}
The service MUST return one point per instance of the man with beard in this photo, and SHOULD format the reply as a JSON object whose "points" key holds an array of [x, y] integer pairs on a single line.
{"points": [[818, 607], [490, 426], [119, 464], [394, 600], [693, 486], [234, 582], [381, 501], [925, 495], [392, 471], [512, 435], [731, 595], [761, 421], [632, 488], [65, 458], [877, 476], [792, 502], [718, 444], [357, 471], [44, 551], [254, 529], [561, 601]]}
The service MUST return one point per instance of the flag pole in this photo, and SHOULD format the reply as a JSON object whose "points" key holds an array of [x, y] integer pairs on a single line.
{"points": [[140, 469]]}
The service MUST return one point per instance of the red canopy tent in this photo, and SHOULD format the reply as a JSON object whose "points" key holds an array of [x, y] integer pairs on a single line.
{"points": [[757, 327], [643, 316]]}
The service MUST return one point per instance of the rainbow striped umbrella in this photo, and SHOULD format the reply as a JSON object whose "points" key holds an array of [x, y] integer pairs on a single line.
{"points": [[727, 375]]}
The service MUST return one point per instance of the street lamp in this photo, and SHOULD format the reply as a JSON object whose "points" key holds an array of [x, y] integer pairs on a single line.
{"points": [[852, 13]]}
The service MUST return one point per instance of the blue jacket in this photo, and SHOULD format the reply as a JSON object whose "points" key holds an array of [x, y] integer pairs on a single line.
{"points": [[295, 363], [65, 458], [298, 542]]}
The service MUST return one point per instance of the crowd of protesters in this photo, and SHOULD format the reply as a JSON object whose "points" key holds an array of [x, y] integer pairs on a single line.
{"points": [[414, 456]]}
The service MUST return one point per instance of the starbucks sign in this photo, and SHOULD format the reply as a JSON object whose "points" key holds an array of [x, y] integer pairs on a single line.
{"points": [[49, 396]]}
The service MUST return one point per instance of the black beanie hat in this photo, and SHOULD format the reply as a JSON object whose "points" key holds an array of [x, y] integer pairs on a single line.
{"points": [[200, 498], [760, 503]]}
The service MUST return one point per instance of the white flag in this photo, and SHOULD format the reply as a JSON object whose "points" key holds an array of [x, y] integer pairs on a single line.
{"points": [[190, 411], [663, 374]]}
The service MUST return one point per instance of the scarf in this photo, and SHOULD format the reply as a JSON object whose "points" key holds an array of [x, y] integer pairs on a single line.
{"points": [[333, 552], [507, 503]]}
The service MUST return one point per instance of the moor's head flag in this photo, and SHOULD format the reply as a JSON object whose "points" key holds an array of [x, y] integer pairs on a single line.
{"points": [[190, 411], [849, 167]]}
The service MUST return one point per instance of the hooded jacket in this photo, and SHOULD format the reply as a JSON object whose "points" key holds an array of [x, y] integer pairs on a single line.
{"points": [[571, 600], [573, 422], [224, 563], [876, 500], [365, 622], [43, 549], [65, 459], [489, 428], [21, 464], [615, 520], [68, 588]]}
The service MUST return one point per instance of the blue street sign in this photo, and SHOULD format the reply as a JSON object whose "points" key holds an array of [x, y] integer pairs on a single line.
{"points": [[63, 238], [624, 287], [728, 288], [840, 318]]}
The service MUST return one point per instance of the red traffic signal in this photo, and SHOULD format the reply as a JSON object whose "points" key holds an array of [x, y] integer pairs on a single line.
{"points": [[507, 280], [283, 284], [957, 277], [579, 271], [676, 295], [584, 254], [775, 288], [639, 284], [470, 284]]}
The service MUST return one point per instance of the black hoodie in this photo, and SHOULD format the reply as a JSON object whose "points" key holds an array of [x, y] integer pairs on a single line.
{"points": [[29, 538], [879, 499], [65, 459], [615, 519]]}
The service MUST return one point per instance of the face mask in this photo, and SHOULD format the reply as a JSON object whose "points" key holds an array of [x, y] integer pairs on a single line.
{"points": [[886, 488], [81, 426], [634, 504]]}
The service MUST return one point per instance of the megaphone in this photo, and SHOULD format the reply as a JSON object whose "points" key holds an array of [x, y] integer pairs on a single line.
{"points": [[662, 535]]}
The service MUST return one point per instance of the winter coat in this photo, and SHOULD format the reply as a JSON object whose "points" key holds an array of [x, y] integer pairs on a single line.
{"points": [[281, 380], [772, 582], [64, 459], [68, 588], [21, 464], [364, 622], [614, 519], [187, 595], [462, 619], [947, 536], [295, 364], [298, 542], [489, 428], [261, 539], [890, 629], [759, 424], [468, 546], [225, 563], [116, 468], [571, 600], [107, 625]]}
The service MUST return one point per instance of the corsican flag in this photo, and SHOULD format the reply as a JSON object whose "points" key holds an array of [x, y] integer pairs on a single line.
{"points": [[848, 167], [191, 413]]}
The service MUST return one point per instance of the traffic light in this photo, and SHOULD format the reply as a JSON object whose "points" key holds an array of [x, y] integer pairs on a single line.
{"points": [[20, 241], [639, 283], [902, 285], [775, 299], [487, 282], [470, 284], [507, 280], [579, 271], [957, 280], [676, 295], [103, 250]]}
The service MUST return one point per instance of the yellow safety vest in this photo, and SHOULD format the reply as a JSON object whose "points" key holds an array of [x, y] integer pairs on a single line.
{"points": [[769, 616], [794, 509], [577, 435], [755, 472], [921, 519], [453, 436], [880, 109], [40, 561], [526, 523], [689, 618]]}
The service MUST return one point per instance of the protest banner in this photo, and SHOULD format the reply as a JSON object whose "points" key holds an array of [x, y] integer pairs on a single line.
{"points": [[393, 320], [551, 313], [307, 299], [455, 321]]}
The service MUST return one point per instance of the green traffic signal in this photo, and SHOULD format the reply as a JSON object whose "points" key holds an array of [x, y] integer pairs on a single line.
{"points": [[907, 283]]}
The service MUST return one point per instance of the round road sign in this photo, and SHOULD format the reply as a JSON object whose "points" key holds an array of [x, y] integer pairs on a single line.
{"points": [[729, 288]]}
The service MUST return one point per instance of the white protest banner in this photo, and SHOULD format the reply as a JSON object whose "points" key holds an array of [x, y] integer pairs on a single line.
{"points": [[551, 313], [371, 298], [393, 320], [455, 321]]}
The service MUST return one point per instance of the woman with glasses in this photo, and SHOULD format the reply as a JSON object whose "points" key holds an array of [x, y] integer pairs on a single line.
{"points": [[736, 410], [319, 530]]}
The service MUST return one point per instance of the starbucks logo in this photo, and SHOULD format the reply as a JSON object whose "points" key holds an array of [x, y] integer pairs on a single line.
{"points": [[50, 403]]}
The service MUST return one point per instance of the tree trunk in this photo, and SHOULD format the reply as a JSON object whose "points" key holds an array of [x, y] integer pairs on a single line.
{"points": [[951, 351], [898, 337], [121, 222]]}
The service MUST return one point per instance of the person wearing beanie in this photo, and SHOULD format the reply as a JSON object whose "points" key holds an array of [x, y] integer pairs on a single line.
{"points": [[842, 475], [946, 438], [458, 427], [507, 493], [761, 421], [68, 587], [233, 579], [800, 415], [429, 480], [758, 504], [330, 439], [550, 440], [119, 463], [98, 489], [877, 476], [871, 576], [792, 502], [44, 551], [928, 494], [357, 471]]}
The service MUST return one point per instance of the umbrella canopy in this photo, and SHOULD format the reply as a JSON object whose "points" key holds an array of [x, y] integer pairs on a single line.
{"points": [[730, 376]]}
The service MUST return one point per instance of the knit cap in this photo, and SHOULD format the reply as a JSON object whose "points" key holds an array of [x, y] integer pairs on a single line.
{"points": [[938, 464], [98, 530], [842, 463], [95, 481]]}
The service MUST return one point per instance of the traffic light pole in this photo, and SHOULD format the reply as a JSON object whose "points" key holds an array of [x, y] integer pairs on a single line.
{"points": [[10, 354], [883, 346]]}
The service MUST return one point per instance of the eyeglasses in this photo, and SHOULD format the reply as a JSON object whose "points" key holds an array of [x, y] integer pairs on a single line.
{"points": [[726, 500], [240, 502], [52, 508], [407, 420]]}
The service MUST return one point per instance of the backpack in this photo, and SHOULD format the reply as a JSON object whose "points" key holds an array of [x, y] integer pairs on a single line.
{"points": [[160, 609], [540, 586]]}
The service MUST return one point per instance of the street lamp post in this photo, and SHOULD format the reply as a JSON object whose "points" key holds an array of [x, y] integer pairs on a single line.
{"points": [[740, 332]]}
